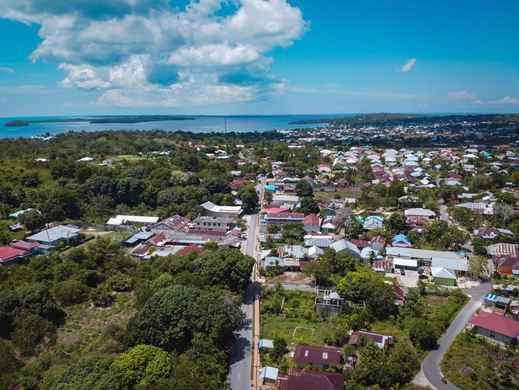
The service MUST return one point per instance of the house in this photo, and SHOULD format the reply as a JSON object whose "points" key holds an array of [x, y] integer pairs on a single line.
{"points": [[373, 222], [377, 243], [508, 265], [284, 263], [9, 255], [497, 327], [206, 223], [30, 247], [401, 240], [443, 276], [294, 251], [298, 379], [221, 211], [131, 220], [175, 223], [265, 344], [419, 212], [19, 213], [57, 235], [380, 340], [486, 233], [480, 208], [314, 252], [346, 246], [285, 200], [283, 218], [318, 240], [503, 249], [268, 375], [321, 357], [328, 302], [138, 238], [311, 223]]}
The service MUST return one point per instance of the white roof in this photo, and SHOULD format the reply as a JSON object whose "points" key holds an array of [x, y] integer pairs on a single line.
{"points": [[123, 219], [440, 272], [210, 206], [419, 212], [405, 262]]}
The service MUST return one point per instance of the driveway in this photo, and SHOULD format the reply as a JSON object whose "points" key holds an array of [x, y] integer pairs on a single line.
{"points": [[430, 370]]}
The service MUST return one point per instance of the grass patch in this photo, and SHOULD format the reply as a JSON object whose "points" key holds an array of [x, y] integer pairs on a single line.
{"points": [[473, 363]]}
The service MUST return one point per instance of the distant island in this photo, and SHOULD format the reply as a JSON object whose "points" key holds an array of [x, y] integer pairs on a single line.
{"points": [[16, 123], [108, 119]]}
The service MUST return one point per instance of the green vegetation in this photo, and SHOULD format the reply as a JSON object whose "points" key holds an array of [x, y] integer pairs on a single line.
{"points": [[473, 363], [94, 318]]}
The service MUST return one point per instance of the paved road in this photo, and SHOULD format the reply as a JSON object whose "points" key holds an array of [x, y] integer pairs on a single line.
{"points": [[431, 364], [241, 355]]}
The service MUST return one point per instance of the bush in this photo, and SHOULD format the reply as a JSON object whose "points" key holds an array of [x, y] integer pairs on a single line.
{"points": [[70, 292], [120, 282], [102, 297], [29, 331], [423, 334]]}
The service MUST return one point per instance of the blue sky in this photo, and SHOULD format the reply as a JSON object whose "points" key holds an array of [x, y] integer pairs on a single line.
{"points": [[257, 56]]}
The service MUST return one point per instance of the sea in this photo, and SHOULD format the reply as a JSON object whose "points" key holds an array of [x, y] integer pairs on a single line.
{"points": [[199, 124]]}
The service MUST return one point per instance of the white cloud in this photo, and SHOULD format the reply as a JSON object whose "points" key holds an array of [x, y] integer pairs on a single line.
{"points": [[462, 96], [507, 100], [409, 65], [135, 51], [6, 69]]}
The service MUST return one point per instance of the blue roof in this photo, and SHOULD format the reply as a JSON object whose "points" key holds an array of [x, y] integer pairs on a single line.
{"points": [[269, 372], [270, 187], [401, 238]]}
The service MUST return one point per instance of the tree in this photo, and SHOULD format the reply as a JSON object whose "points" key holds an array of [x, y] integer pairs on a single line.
{"points": [[423, 334], [144, 365], [365, 287], [70, 292], [309, 205], [293, 232], [175, 315], [32, 220], [396, 223], [279, 350], [102, 297], [120, 282], [478, 267], [29, 330], [249, 198], [304, 188]]}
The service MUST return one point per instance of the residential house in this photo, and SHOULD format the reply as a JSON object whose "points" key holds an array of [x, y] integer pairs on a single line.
{"points": [[138, 238], [10, 255], [443, 276], [302, 379], [311, 223], [480, 208], [508, 265], [280, 218], [373, 222], [503, 249], [318, 240], [285, 200], [402, 241], [268, 375], [497, 327], [347, 247], [130, 220], [283, 263], [214, 210], [380, 340], [319, 357], [57, 235], [206, 223], [419, 212]]}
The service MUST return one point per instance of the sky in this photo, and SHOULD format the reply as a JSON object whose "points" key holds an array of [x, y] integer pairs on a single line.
{"points": [[79, 57]]}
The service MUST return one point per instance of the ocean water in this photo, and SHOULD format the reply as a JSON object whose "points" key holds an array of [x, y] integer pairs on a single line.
{"points": [[200, 124]]}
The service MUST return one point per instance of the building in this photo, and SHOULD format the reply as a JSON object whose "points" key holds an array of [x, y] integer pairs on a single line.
{"points": [[419, 212], [380, 340], [285, 200], [508, 265], [497, 327], [328, 302], [311, 223], [283, 218], [503, 249], [318, 240], [268, 375], [56, 236], [480, 208], [298, 379], [373, 222], [9, 255], [284, 263], [321, 357], [346, 246], [207, 223], [130, 220], [221, 211], [412, 258], [443, 276]]}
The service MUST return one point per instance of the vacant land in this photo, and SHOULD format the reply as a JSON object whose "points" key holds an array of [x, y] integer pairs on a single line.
{"points": [[473, 363]]}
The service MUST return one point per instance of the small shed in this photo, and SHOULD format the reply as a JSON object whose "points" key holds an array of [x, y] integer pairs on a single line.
{"points": [[443, 276], [269, 375]]}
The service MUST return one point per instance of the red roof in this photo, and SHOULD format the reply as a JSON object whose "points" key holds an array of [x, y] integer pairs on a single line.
{"points": [[7, 253], [496, 323], [276, 210], [24, 245], [189, 249], [307, 354], [312, 219], [298, 379]]}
